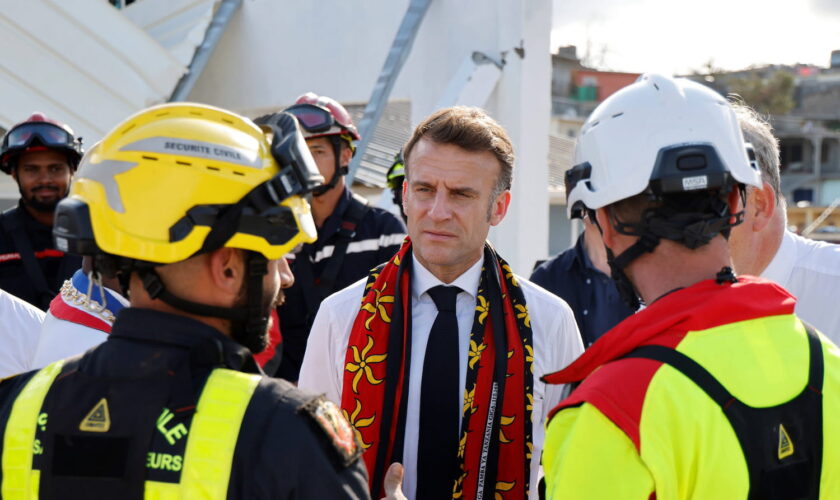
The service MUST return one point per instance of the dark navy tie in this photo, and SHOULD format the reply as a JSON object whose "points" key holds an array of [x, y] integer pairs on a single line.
{"points": [[437, 451]]}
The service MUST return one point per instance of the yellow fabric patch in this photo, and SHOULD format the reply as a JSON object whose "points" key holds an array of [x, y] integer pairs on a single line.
{"points": [[98, 418], [785, 443]]}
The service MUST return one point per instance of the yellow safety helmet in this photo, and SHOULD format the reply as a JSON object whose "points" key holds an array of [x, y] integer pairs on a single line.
{"points": [[179, 179]]}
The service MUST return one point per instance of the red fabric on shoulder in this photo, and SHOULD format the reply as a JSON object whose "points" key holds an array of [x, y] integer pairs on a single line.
{"points": [[701, 306], [620, 402], [617, 387], [62, 310]]}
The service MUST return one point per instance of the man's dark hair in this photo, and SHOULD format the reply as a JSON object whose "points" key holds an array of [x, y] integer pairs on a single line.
{"points": [[469, 128]]}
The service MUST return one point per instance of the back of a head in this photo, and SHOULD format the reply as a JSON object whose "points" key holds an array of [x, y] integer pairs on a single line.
{"points": [[157, 187], [759, 133], [669, 141], [180, 180], [661, 156]]}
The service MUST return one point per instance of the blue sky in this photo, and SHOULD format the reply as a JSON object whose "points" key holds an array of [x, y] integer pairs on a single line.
{"points": [[676, 36]]}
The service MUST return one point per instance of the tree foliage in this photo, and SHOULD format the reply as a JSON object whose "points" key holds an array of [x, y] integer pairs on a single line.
{"points": [[772, 94]]}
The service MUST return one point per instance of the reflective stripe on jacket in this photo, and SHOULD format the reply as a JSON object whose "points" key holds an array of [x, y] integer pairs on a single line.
{"points": [[210, 445]]}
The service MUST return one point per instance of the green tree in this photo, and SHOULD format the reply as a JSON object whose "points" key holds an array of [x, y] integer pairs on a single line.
{"points": [[771, 94]]}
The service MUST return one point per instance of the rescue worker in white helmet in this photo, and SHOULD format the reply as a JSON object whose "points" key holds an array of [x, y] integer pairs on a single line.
{"points": [[192, 208], [41, 155], [353, 237], [715, 389]]}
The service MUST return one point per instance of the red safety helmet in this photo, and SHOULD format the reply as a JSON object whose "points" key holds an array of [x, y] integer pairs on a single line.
{"points": [[39, 133], [321, 116]]}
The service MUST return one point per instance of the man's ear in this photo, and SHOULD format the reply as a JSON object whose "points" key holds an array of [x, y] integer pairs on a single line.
{"points": [[404, 195], [500, 207], [226, 269], [345, 156], [761, 202]]}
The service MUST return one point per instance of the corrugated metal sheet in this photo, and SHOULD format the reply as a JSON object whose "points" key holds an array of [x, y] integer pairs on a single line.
{"points": [[178, 25], [392, 132], [82, 62]]}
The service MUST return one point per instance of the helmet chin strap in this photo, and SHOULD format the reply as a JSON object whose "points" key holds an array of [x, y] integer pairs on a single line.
{"points": [[338, 173], [254, 318], [646, 243], [691, 222]]}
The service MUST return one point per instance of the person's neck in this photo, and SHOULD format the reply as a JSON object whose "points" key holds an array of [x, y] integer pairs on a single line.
{"points": [[448, 274], [45, 218], [769, 242], [672, 266], [139, 297], [323, 206], [593, 245]]}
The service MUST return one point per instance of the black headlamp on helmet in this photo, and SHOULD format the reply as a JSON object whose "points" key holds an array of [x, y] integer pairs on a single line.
{"points": [[299, 174], [572, 176]]}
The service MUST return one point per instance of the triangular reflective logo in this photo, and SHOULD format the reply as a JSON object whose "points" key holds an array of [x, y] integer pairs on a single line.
{"points": [[785, 443], [98, 419]]}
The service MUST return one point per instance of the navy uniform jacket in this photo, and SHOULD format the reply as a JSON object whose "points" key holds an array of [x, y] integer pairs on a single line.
{"points": [[56, 266], [378, 237], [591, 294], [281, 452]]}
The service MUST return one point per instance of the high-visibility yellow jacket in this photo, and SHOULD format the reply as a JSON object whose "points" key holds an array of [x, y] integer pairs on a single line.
{"points": [[638, 428]]}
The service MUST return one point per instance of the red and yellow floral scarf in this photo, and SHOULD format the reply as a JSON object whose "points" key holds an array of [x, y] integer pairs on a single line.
{"points": [[496, 436]]}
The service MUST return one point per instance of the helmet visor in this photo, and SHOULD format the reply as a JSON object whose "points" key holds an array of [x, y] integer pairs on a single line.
{"points": [[48, 134], [313, 119]]}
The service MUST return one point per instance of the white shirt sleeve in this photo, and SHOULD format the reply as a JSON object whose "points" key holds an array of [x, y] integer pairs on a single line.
{"points": [[810, 271], [20, 325], [61, 339], [323, 361], [557, 343]]}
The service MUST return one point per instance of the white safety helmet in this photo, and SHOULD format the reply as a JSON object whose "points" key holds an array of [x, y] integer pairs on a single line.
{"points": [[667, 134]]}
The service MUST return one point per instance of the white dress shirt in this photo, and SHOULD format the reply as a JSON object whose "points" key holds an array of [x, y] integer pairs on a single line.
{"points": [[810, 271], [20, 324], [556, 343]]}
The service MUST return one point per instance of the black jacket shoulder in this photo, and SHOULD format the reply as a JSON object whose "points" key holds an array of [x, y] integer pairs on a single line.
{"points": [[283, 452]]}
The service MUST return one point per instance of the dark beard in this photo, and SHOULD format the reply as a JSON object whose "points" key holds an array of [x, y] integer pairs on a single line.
{"points": [[256, 342], [40, 206]]}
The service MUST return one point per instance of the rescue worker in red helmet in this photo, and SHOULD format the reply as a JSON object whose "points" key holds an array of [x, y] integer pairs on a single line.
{"points": [[41, 155], [353, 237]]}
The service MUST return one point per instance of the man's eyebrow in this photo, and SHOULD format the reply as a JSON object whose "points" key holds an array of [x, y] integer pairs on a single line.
{"points": [[457, 190], [465, 190], [419, 183]]}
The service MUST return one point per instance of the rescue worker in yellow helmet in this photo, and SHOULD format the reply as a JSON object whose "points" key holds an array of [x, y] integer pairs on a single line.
{"points": [[395, 179], [192, 208], [715, 389]]}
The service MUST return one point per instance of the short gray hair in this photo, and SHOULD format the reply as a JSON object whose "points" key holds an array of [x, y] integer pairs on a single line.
{"points": [[758, 132]]}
